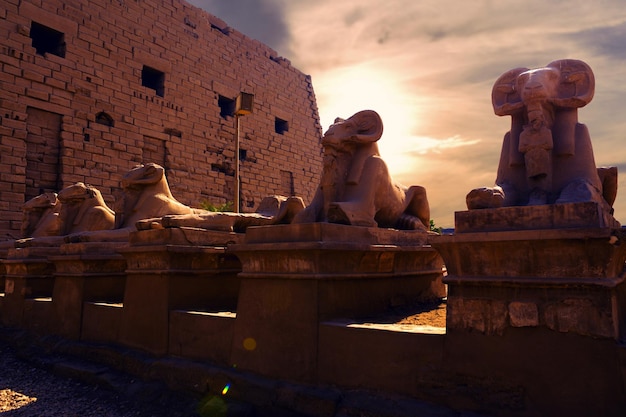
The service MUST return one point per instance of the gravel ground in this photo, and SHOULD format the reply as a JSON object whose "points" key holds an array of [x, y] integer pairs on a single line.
{"points": [[28, 390]]}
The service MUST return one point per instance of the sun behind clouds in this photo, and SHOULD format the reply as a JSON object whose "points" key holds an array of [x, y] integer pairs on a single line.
{"points": [[345, 91]]}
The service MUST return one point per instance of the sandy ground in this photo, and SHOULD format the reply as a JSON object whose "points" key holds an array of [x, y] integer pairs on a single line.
{"points": [[428, 314], [434, 315]]}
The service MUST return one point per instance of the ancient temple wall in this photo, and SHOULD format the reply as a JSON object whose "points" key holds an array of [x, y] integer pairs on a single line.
{"points": [[88, 89]]}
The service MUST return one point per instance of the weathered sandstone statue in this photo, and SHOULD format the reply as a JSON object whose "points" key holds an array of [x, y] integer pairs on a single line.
{"points": [[77, 208], [271, 210], [84, 209], [547, 155], [40, 216], [356, 187], [145, 195]]}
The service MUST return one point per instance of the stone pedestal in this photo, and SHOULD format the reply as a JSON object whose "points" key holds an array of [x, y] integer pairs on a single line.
{"points": [[174, 269], [29, 281], [85, 272], [537, 303], [568, 279], [295, 276]]}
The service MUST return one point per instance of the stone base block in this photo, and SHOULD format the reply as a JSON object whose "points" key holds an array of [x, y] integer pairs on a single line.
{"points": [[568, 280], [550, 216], [490, 309], [165, 277], [335, 233], [19, 289], [187, 236], [101, 322], [202, 335], [37, 315], [295, 276], [396, 361]]}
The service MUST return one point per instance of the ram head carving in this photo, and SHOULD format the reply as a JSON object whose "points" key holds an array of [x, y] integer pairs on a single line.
{"points": [[546, 156]]}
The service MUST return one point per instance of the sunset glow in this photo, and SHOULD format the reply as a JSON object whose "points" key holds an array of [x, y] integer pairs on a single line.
{"points": [[428, 67]]}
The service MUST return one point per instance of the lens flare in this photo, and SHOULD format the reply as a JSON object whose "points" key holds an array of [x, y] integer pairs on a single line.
{"points": [[249, 343], [226, 388]]}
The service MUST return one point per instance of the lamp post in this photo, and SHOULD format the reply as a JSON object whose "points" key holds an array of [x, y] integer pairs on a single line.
{"points": [[243, 106]]}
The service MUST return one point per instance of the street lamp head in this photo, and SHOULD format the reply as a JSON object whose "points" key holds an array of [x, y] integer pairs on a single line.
{"points": [[244, 104]]}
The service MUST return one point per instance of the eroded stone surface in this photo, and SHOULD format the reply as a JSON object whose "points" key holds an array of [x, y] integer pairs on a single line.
{"points": [[486, 316], [580, 316], [523, 314]]}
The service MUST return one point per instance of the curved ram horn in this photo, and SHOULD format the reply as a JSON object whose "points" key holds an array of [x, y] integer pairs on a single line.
{"points": [[577, 83], [505, 98], [369, 125]]}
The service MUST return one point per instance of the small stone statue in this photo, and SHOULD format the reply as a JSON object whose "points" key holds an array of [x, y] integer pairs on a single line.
{"points": [[76, 209]]}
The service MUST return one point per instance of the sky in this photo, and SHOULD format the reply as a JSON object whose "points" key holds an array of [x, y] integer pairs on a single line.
{"points": [[428, 67]]}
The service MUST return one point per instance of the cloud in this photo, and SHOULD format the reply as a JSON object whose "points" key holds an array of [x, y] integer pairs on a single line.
{"points": [[263, 20], [604, 40]]}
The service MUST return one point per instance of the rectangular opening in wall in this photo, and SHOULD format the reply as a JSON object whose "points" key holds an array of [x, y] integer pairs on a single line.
{"points": [[281, 126], [154, 79], [47, 40], [227, 106]]}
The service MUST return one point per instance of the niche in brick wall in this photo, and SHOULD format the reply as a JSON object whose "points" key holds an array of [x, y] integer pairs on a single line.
{"points": [[227, 106], [47, 40], [280, 126], [154, 79], [105, 119]]}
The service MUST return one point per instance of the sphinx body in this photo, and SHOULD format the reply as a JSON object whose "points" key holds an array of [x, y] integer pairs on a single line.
{"points": [[40, 216], [272, 210], [145, 195], [77, 208], [84, 209]]}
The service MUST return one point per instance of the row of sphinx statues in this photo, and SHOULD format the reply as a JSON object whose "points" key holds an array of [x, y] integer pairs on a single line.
{"points": [[355, 188], [79, 213], [546, 158]]}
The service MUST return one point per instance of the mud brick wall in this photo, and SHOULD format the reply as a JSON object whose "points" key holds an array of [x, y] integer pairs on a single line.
{"points": [[89, 89]]}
